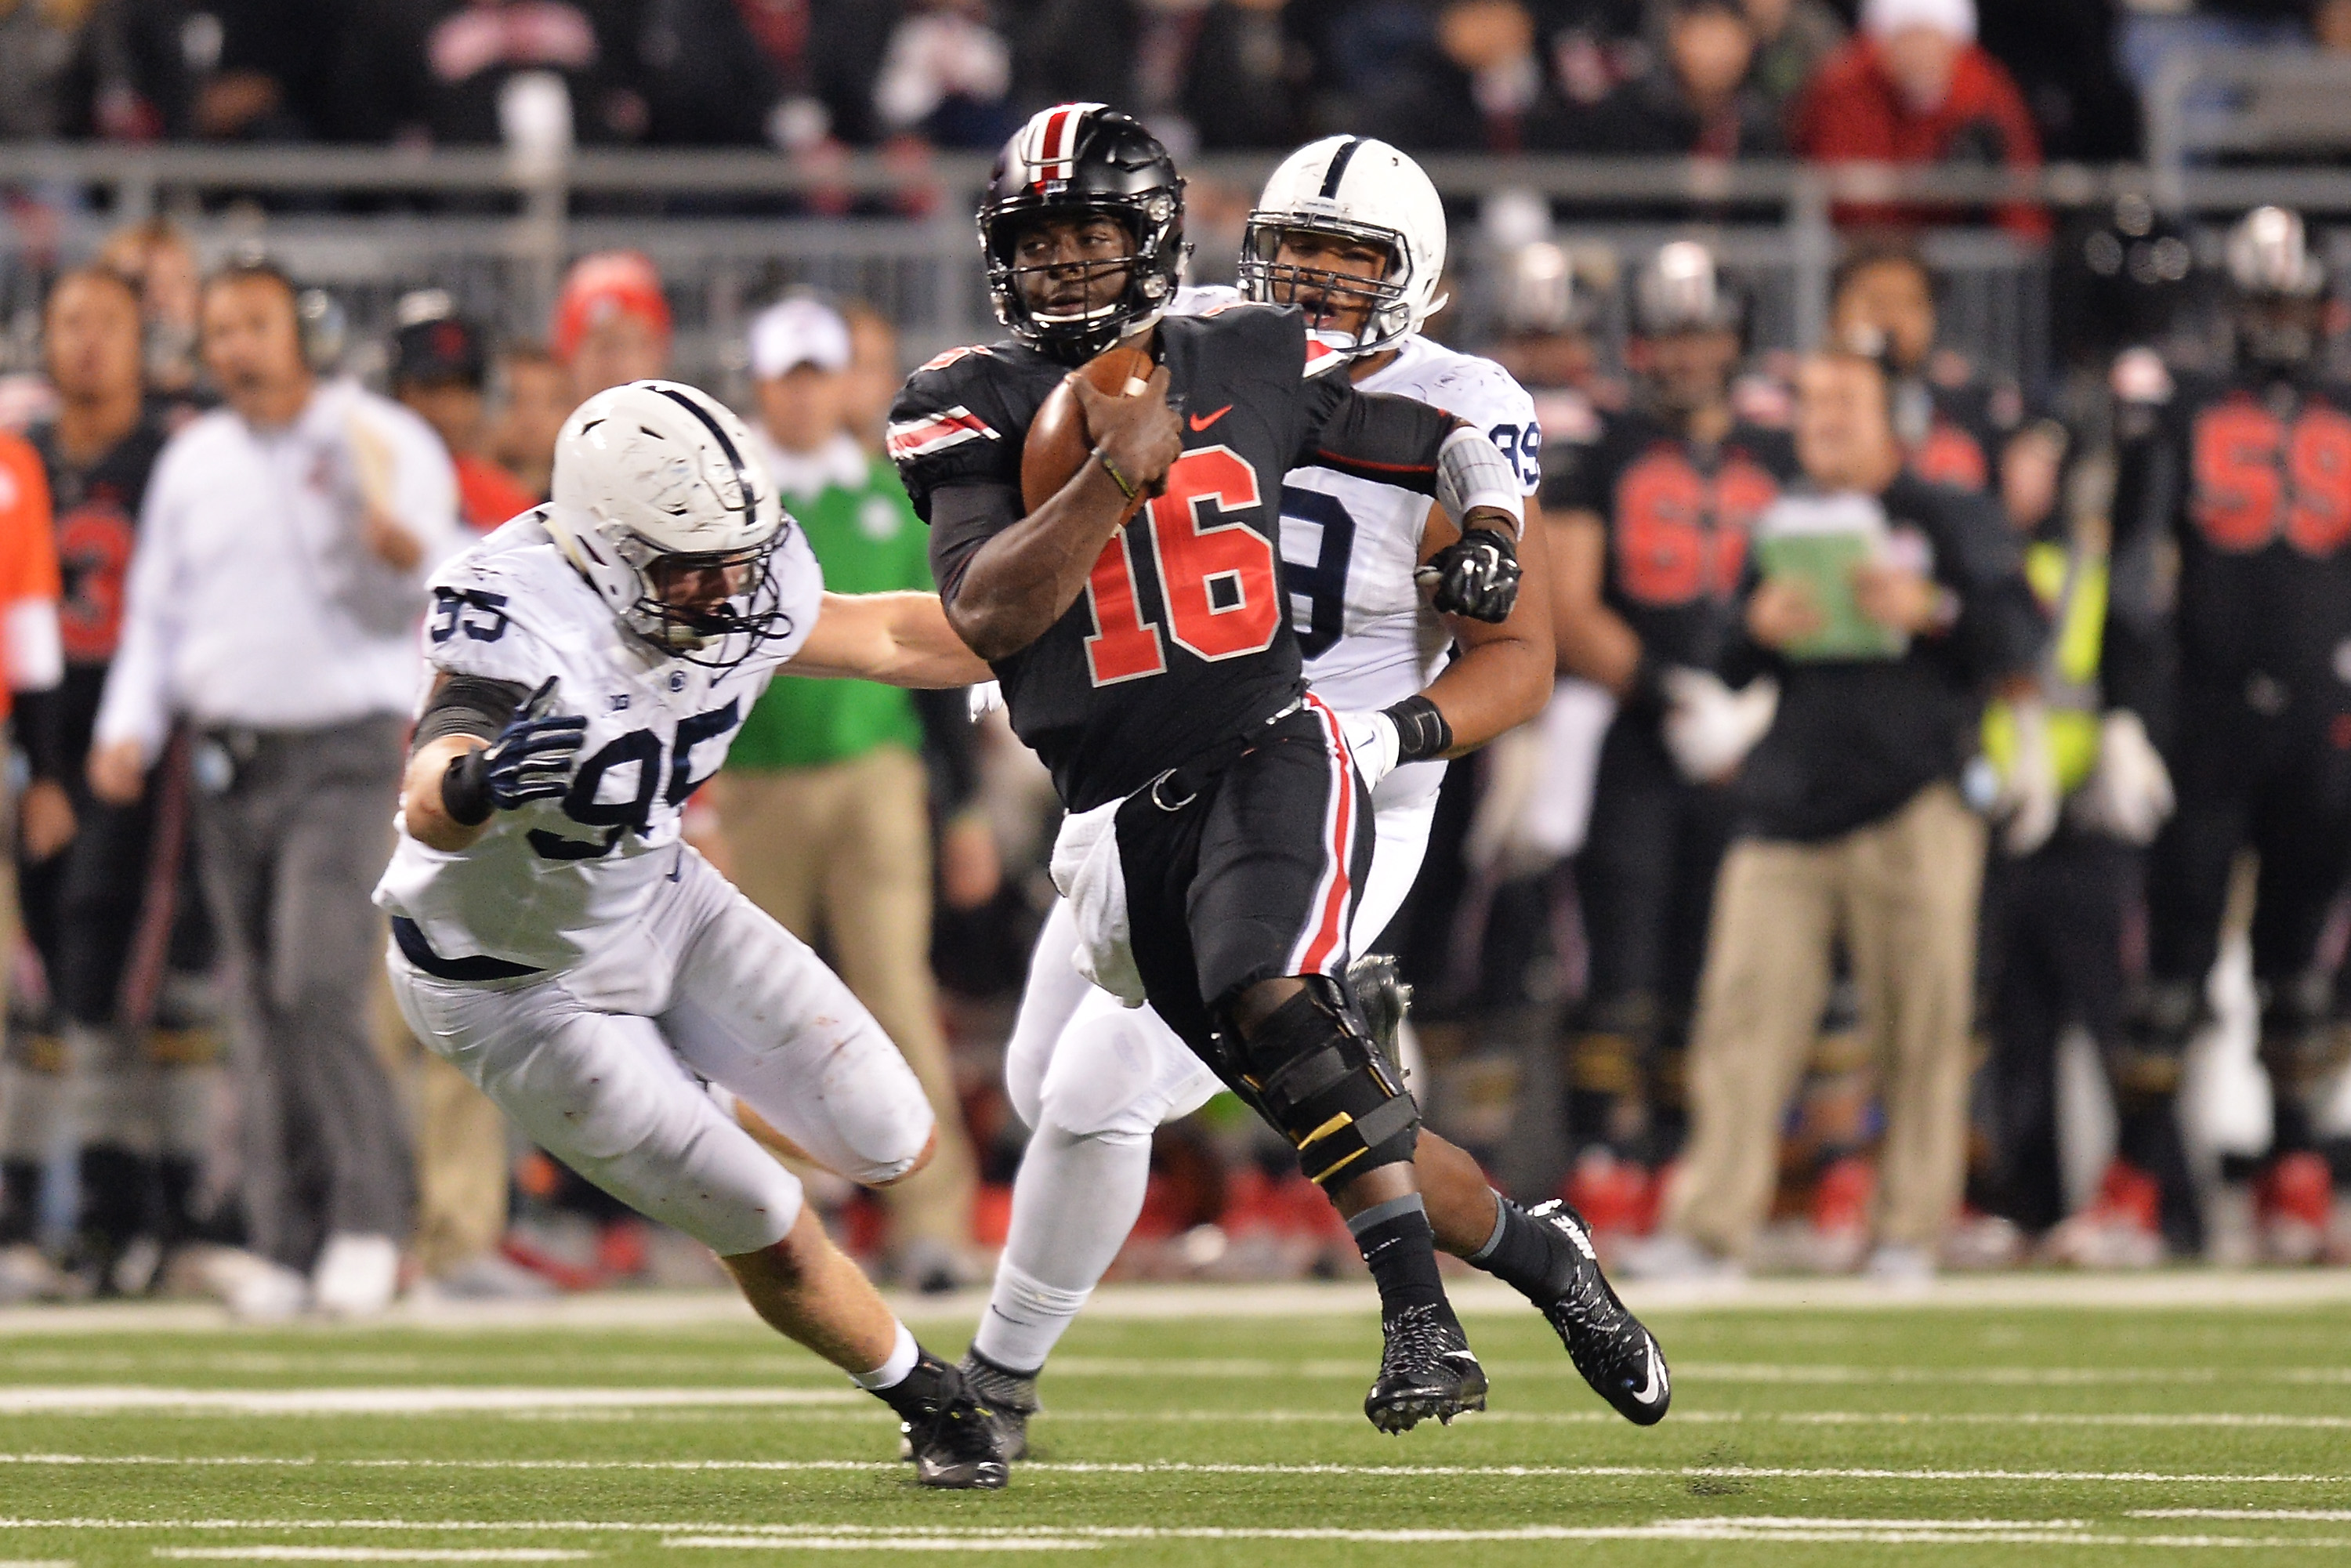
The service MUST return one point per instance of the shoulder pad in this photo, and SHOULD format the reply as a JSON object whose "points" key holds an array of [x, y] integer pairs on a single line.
{"points": [[1567, 417], [1478, 390], [2140, 376]]}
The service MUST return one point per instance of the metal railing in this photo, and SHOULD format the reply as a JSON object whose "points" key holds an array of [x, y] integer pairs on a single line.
{"points": [[730, 228]]}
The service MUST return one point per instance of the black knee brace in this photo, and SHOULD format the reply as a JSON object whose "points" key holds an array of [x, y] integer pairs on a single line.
{"points": [[2302, 1042], [2145, 1064], [1317, 1078]]}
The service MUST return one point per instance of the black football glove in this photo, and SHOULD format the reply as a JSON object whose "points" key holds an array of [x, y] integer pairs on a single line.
{"points": [[533, 758], [1476, 576]]}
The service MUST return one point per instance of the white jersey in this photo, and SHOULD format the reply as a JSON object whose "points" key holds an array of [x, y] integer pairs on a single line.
{"points": [[1348, 547], [550, 884]]}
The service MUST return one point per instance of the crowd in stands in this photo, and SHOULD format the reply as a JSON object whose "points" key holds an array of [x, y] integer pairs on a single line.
{"points": [[1909, 81]]}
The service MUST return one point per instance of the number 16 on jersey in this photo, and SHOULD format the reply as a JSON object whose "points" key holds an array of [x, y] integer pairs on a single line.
{"points": [[1217, 580]]}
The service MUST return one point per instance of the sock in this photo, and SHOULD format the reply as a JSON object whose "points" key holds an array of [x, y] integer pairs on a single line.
{"points": [[1074, 1201], [1519, 1252], [903, 1354], [1400, 1250]]}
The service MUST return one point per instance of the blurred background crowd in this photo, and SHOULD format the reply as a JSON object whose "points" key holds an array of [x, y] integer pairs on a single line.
{"points": [[327, 376]]}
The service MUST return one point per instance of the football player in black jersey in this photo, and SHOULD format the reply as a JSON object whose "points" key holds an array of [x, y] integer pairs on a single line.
{"points": [[103, 887], [1218, 821], [1960, 429], [2243, 673], [1653, 517]]}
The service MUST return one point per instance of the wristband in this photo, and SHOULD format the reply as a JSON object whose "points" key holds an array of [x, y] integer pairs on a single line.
{"points": [[1421, 730], [1117, 478], [465, 788]]}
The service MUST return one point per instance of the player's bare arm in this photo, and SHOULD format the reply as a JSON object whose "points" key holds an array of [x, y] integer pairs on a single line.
{"points": [[897, 639], [1591, 640], [1503, 676]]}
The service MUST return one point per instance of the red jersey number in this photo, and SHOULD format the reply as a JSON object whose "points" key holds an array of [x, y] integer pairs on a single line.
{"points": [[2258, 477], [1680, 535], [94, 543], [1217, 578]]}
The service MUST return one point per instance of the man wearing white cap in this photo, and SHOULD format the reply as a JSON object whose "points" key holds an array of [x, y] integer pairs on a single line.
{"points": [[1914, 87], [824, 799]]}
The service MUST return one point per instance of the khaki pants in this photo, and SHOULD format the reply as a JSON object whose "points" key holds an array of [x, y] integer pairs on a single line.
{"points": [[845, 851], [1903, 893]]}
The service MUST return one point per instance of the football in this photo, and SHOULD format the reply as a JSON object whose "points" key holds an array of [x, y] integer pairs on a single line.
{"points": [[1059, 442]]}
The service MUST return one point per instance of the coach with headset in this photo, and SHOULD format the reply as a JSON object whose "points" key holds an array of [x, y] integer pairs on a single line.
{"points": [[273, 608]]}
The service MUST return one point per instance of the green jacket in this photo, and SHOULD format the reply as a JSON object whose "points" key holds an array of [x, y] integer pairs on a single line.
{"points": [[2070, 583], [868, 540]]}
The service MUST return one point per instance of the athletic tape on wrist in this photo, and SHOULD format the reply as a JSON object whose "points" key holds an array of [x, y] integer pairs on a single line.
{"points": [[466, 789]]}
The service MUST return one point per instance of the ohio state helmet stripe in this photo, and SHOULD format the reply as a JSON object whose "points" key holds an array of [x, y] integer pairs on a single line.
{"points": [[1338, 169], [1051, 145]]}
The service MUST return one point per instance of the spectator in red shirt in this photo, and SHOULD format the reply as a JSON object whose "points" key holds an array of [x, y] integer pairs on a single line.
{"points": [[439, 368], [1915, 88]]}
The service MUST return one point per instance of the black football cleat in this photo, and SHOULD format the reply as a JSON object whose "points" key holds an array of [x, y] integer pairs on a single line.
{"points": [[955, 1442], [1010, 1396], [1381, 993], [1616, 1355], [1426, 1370]]}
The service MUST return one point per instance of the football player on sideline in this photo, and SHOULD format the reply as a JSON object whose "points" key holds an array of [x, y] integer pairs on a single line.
{"points": [[1351, 231], [556, 939], [1218, 833]]}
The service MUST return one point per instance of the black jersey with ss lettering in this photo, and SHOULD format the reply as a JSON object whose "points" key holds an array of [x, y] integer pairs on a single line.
{"points": [[1180, 642], [1679, 514]]}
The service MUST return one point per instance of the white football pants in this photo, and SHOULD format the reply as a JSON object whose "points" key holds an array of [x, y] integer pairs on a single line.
{"points": [[1093, 1080], [598, 1064]]}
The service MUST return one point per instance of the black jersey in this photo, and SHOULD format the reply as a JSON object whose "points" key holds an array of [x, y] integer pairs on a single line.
{"points": [[1956, 431], [1179, 643], [1679, 514], [96, 507], [2249, 477]]}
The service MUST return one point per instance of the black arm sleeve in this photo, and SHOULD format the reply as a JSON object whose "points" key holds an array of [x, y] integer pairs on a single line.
{"points": [[469, 705], [949, 756], [2002, 627], [1377, 436], [2136, 657], [40, 724], [964, 518]]}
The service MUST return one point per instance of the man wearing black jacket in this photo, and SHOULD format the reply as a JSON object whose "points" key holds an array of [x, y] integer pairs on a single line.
{"points": [[1851, 826]]}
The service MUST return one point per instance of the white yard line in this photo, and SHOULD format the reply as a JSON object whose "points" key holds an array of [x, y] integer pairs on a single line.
{"points": [[1172, 1467], [367, 1554], [131, 1399], [2160, 1289], [2310, 1515], [1889, 1532]]}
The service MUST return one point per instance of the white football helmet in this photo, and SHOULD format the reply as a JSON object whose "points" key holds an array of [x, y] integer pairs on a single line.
{"points": [[2269, 255], [1360, 189], [656, 479]]}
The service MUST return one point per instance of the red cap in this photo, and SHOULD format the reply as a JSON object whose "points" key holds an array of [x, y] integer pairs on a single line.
{"points": [[598, 288]]}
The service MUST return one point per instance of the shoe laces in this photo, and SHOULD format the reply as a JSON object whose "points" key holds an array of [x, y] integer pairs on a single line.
{"points": [[1008, 1393], [1417, 1337]]}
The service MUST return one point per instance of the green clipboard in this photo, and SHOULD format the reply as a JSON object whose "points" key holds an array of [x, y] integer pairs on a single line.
{"points": [[1818, 540]]}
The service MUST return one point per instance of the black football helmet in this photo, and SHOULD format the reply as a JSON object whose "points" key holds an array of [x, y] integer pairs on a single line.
{"points": [[1085, 158]]}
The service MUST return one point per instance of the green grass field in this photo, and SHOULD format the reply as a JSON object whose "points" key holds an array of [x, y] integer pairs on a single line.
{"points": [[1961, 1430]]}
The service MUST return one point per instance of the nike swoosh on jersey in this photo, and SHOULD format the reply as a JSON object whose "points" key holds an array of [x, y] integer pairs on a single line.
{"points": [[1200, 423], [1656, 1384]]}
